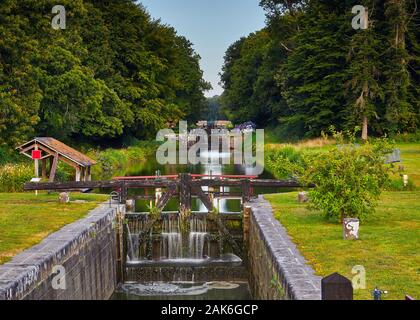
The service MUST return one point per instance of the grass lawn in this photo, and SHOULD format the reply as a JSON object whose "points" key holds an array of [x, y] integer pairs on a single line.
{"points": [[410, 154], [25, 219], [388, 247]]}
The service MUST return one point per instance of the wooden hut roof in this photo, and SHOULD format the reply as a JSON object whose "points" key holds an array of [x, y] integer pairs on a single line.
{"points": [[58, 147]]}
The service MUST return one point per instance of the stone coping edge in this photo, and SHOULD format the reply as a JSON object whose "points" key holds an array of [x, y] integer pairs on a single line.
{"points": [[297, 278], [20, 275]]}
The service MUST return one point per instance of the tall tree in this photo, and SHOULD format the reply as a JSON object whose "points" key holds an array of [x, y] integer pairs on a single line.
{"points": [[248, 78], [413, 47], [399, 112], [312, 78], [364, 72]]}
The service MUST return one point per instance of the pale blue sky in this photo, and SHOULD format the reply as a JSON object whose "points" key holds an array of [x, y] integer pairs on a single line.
{"points": [[211, 25]]}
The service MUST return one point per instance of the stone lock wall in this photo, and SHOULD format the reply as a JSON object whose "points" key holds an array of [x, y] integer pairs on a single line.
{"points": [[86, 249], [276, 268]]}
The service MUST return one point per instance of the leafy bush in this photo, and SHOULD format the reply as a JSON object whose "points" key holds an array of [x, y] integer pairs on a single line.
{"points": [[348, 179], [285, 162], [13, 177], [64, 172], [9, 155], [407, 137], [283, 133], [112, 160], [398, 185]]}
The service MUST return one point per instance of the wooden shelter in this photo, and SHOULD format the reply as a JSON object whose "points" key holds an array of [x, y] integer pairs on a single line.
{"points": [[55, 151]]}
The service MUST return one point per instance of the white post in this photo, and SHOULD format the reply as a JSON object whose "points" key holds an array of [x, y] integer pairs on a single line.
{"points": [[78, 173], [36, 168], [36, 164], [405, 179], [158, 195]]}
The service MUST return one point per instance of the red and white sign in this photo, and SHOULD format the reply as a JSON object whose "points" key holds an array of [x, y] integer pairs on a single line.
{"points": [[36, 154]]}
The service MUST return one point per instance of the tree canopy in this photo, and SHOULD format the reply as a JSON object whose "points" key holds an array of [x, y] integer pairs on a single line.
{"points": [[309, 69], [113, 72]]}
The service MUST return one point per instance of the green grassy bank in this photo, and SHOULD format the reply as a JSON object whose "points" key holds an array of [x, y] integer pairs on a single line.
{"points": [[25, 219], [388, 247]]}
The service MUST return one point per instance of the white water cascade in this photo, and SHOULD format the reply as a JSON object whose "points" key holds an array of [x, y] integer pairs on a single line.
{"points": [[134, 229], [133, 246], [197, 237], [171, 244]]}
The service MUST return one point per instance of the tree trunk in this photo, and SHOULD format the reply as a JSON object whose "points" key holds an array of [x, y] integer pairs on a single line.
{"points": [[365, 129]]}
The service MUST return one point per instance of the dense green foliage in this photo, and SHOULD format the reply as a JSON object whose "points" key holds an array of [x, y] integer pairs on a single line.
{"points": [[13, 177], [349, 180], [212, 110], [309, 69], [111, 161], [113, 72], [8, 155], [348, 177], [408, 137], [285, 163]]}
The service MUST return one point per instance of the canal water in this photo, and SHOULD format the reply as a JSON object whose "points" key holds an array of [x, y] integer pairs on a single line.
{"points": [[216, 290]]}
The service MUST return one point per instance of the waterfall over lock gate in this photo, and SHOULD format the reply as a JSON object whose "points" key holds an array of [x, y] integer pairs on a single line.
{"points": [[135, 229], [171, 246], [171, 237], [197, 237]]}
